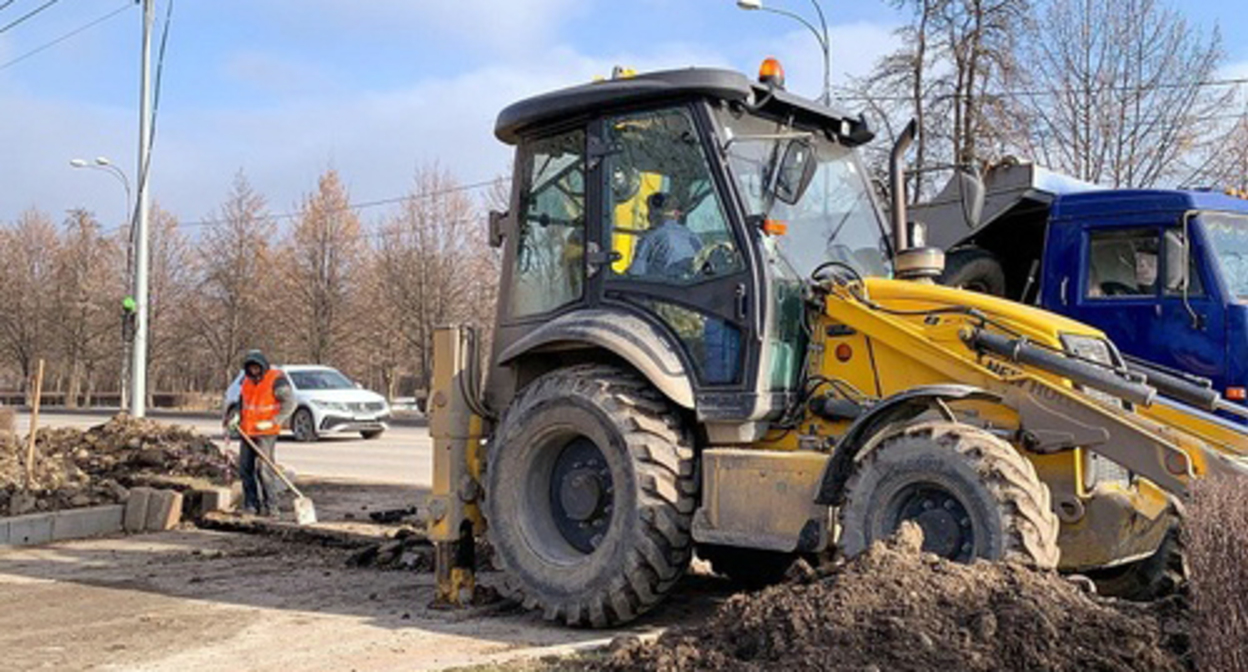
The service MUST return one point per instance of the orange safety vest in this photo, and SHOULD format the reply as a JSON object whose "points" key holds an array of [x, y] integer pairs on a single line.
{"points": [[260, 404]]}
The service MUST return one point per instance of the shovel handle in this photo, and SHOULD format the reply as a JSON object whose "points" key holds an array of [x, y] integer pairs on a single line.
{"points": [[272, 465]]}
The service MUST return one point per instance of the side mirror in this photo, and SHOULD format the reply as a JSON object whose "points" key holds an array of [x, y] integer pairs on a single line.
{"points": [[1175, 249], [497, 228], [972, 192], [796, 170]]}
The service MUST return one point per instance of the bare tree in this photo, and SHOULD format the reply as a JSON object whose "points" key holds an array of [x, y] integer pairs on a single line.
{"points": [[235, 264], [320, 270], [170, 325], [955, 56], [88, 283], [1115, 90], [28, 253], [433, 267]]}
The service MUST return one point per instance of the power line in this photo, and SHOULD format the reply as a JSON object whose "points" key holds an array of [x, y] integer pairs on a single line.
{"points": [[358, 206], [1234, 81], [64, 37], [6, 3], [30, 14]]}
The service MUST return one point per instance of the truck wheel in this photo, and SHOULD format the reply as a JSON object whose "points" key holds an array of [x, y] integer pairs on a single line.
{"points": [[974, 269], [590, 495], [972, 494], [1157, 576], [748, 567]]}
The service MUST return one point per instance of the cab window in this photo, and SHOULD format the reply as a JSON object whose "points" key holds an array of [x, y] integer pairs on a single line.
{"points": [[550, 270], [1122, 263], [665, 222]]}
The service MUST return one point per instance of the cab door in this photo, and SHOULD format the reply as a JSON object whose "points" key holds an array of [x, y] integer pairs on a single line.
{"points": [[1118, 290], [668, 248]]}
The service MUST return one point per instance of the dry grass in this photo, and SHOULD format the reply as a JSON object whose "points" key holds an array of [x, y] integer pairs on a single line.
{"points": [[1216, 533]]}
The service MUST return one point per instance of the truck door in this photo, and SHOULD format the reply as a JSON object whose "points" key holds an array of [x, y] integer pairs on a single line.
{"points": [[1117, 290], [1189, 334]]}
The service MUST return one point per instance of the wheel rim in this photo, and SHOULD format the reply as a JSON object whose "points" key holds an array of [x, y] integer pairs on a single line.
{"points": [[581, 494], [303, 425], [948, 529]]}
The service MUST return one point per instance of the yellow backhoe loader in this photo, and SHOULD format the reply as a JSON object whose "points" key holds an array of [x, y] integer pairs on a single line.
{"points": [[710, 341]]}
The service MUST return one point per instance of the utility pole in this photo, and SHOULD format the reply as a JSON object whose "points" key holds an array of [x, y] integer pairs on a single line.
{"points": [[138, 369]]}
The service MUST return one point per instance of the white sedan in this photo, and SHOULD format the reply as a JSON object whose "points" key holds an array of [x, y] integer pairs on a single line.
{"points": [[327, 402]]}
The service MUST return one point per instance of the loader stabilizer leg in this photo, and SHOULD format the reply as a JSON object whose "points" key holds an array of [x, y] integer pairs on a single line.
{"points": [[454, 512]]}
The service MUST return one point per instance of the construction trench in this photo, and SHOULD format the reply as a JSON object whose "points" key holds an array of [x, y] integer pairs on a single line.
{"points": [[892, 608]]}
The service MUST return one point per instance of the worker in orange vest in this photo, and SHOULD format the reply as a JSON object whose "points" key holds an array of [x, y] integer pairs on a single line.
{"points": [[267, 402]]}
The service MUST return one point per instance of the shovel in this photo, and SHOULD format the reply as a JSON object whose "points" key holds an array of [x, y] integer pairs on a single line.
{"points": [[305, 512]]}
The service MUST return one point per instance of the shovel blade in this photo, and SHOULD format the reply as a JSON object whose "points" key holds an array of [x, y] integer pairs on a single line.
{"points": [[305, 512]]}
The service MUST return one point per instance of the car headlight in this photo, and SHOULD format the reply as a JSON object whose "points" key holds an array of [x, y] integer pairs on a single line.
{"points": [[330, 405]]}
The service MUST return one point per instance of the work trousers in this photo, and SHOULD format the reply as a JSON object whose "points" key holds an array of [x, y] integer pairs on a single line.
{"points": [[259, 481]]}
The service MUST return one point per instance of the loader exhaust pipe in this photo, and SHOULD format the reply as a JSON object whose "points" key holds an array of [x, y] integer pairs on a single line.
{"points": [[1081, 373], [897, 186]]}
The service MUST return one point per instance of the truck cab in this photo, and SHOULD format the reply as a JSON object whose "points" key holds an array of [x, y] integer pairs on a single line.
{"points": [[1162, 272]]}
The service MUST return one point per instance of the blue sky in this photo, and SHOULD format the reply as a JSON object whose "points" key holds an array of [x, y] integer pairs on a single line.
{"points": [[284, 89]]}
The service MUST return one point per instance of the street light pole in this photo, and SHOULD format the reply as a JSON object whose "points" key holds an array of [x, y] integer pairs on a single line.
{"points": [[138, 370], [102, 163], [821, 36]]}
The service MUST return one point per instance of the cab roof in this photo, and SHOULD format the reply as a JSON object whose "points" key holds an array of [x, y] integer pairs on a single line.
{"points": [[1120, 202], [533, 114]]}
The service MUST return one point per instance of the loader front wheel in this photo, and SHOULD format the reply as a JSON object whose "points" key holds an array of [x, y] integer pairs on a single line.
{"points": [[590, 495], [1159, 575], [972, 494]]}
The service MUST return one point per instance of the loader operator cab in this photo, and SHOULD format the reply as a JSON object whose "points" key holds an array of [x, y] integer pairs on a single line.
{"points": [[672, 219]]}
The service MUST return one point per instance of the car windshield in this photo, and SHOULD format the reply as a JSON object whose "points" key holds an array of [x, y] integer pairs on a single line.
{"points": [[836, 218], [320, 379], [1228, 236]]}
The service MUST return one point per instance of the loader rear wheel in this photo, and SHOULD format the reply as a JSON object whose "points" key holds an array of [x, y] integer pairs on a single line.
{"points": [[748, 567], [972, 494], [590, 495], [1159, 575]]}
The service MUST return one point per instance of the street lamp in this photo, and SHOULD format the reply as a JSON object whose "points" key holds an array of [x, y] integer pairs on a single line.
{"points": [[104, 164], [820, 35]]}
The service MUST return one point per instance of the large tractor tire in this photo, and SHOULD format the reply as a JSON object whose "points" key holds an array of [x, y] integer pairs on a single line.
{"points": [[972, 494], [749, 568], [590, 496], [1159, 575], [975, 270]]}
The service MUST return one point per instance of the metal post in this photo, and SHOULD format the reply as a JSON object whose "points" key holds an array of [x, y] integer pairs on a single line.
{"points": [[138, 372]]}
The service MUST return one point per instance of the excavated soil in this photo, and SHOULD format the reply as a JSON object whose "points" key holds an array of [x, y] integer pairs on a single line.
{"points": [[74, 468], [895, 608]]}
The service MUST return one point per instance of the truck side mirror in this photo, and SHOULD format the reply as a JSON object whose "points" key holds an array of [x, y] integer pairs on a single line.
{"points": [[497, 228], [972, 193]]}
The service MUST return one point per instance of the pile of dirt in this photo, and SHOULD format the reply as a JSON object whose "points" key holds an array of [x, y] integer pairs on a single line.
{"points": [[895, 608], [74, 468], [411, 550]]}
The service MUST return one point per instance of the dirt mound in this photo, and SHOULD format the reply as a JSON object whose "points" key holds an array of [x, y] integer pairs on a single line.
{"points": [[74, 468], [894, 608]]}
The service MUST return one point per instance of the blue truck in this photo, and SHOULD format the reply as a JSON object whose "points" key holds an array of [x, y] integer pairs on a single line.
{"points": [[1163, 272]]}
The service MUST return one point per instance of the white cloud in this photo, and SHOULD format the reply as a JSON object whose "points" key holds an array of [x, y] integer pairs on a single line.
{"points": [[375, 140]]}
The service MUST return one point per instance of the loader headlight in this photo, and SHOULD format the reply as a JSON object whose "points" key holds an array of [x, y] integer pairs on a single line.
{"points": [[1088, 347]]}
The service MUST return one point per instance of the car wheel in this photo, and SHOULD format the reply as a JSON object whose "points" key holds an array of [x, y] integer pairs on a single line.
{"points": [[303, 425], [372, 433]]}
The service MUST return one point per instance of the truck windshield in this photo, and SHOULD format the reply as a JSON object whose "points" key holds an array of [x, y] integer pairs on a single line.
{"points": [[836, 218], [1228, 235]]}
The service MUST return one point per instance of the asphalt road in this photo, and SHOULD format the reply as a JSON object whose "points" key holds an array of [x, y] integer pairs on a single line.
{"points": [[402, 455]]}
